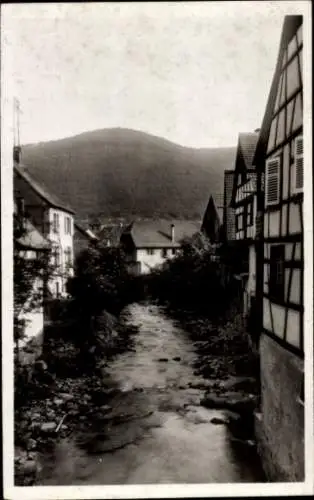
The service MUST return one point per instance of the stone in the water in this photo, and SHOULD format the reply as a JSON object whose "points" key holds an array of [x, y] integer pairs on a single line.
{"points": [[234, 401], [218, 421], [176, 358], [163, 360]]}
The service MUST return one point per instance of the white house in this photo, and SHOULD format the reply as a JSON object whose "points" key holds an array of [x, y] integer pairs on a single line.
{"points": [[53, 219], [148, 244]]}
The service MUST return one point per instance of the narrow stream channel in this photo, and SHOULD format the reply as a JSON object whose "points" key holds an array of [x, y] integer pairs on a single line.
{"points": [[170, 438]]}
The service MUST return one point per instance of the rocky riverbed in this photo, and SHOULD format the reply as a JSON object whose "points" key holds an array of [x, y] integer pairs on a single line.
{"points": [[149, 415]]}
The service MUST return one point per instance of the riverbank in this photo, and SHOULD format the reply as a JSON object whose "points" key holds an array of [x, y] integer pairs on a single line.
{"points": [[62, 392], [228, 366]]}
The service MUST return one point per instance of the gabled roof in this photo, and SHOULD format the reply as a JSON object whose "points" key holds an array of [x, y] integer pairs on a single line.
{"points": [[212, 211], [32, 239], [86, 231], [247, 143], [40, 190], [157, 234], [246, 148], [290, 26]]}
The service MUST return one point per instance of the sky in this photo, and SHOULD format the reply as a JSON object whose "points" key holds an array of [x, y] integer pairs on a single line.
{"points": [[196, 73]]}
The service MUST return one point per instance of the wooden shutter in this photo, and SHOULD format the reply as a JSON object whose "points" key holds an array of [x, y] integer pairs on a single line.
{"points": [[298, 165], [272, 178]]}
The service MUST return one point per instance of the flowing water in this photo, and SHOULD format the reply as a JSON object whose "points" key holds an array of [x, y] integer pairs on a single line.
{"points": [[168, 437]]}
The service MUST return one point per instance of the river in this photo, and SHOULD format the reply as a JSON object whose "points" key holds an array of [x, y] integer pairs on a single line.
{"points": [[166, 436]]}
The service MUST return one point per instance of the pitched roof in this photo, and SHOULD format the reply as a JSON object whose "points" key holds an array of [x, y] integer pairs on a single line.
{"points": [[247, 143], [290, 26], [246, 147], [32, 239], [157, 234], [86, 231], [40, 190]]}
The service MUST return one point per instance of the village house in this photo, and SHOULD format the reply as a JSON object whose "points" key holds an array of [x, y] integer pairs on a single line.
{"points": [[244, 203], [148, 244], [278, 161], [52, 218]]}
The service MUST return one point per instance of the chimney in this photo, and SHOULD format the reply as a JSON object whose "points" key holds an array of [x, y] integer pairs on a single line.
{"points": [[172, 233]]}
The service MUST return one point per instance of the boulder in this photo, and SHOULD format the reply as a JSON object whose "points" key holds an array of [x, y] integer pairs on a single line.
{"points": [[48, 427], [58, 402], [66, 396], [234, 401], [218, 421], [163, 360], [105, 408], [176, 358]]}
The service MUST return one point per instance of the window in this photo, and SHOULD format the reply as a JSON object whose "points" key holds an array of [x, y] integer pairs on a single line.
{"points": [[55, 223], [239, 222], [249, 214], [150, 251], [272, 181], [298, 165], [68, 257], [67, 225], [277, 272], [174, 251], [56, 256], [164, 253]]}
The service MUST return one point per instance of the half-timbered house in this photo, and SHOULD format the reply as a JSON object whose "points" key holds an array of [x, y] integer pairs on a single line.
{"points": [[279, 163]]}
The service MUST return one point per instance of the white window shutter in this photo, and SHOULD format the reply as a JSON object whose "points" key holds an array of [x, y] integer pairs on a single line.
{"points": [[298, 165], [272, 178]]}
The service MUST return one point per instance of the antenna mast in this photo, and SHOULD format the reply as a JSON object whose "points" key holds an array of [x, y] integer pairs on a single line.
{"points": [[16, 128]]}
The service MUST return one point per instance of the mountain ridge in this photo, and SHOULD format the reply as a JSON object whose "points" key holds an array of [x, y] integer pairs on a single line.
{"points": [[121, 172]]}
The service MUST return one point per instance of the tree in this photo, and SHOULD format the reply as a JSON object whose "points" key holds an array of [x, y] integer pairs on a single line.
{"points": [[101, 282], [192, 279]]}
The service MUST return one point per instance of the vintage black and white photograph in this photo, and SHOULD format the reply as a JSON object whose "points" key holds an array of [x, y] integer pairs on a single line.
{"points": [[157, 249]]}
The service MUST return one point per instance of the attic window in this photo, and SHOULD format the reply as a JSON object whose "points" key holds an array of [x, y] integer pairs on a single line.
{"points": [[272, 179], [298, 165]]}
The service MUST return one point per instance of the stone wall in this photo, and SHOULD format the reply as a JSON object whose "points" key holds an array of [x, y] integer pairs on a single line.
{"points": [[280, 424]]}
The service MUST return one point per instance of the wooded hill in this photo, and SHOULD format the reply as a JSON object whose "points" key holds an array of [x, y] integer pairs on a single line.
{"points": [[127, 173]]}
